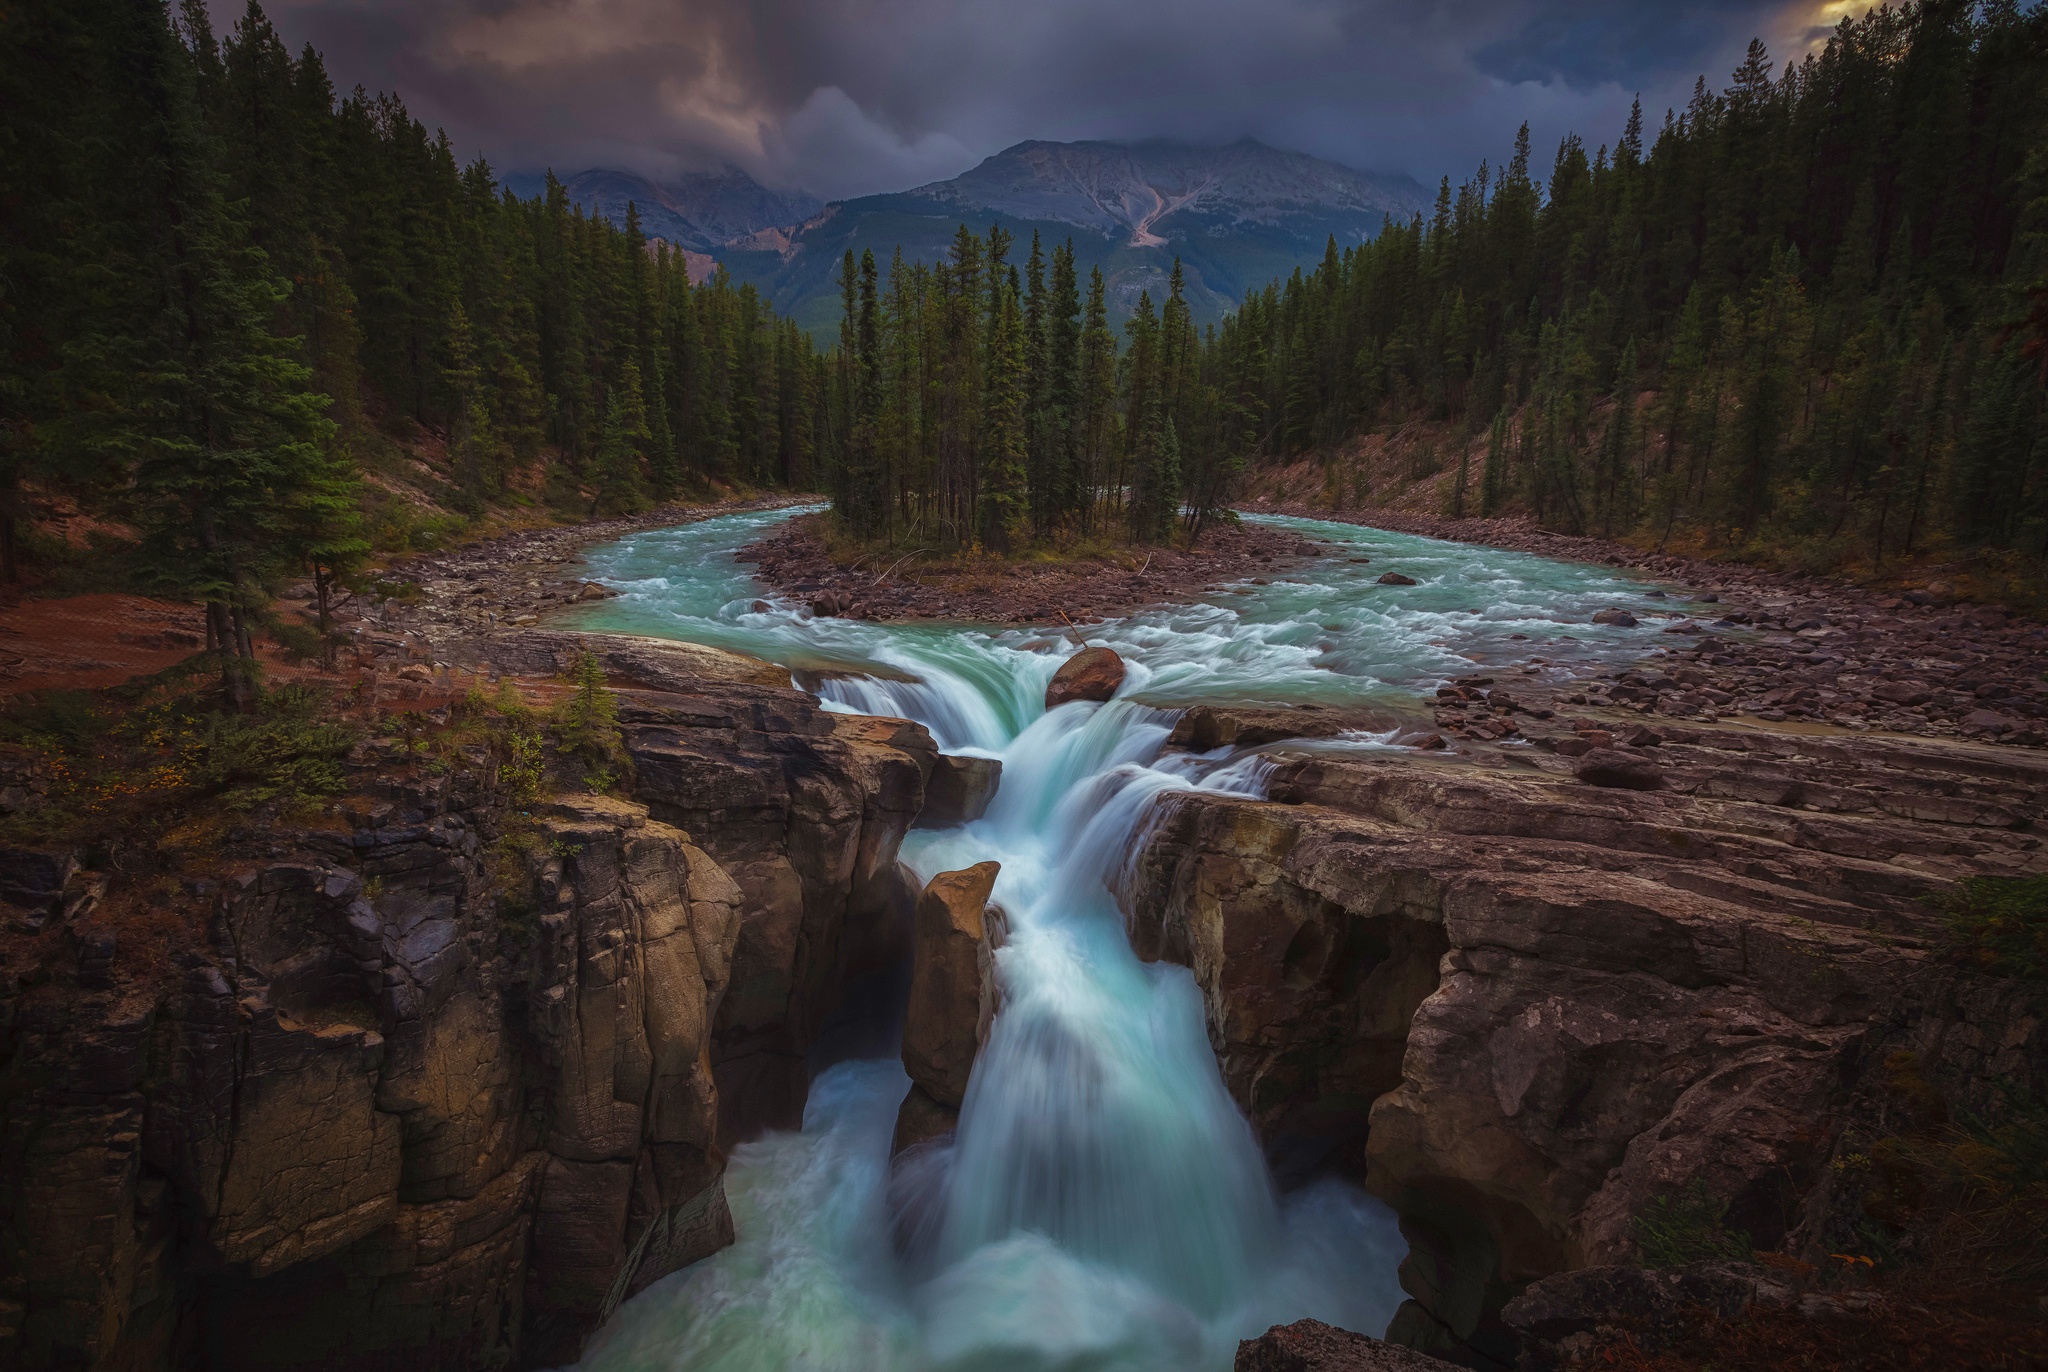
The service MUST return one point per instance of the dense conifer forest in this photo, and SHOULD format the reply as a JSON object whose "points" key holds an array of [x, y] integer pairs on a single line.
{"points": [[1807, 311], [228, 292]]}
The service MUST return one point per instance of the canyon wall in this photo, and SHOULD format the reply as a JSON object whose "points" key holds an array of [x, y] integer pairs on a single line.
{"points": [[1522, 1006], [413, 1096]]}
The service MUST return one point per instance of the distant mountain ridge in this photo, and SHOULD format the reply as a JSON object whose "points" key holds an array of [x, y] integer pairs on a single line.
{"points": [[1237, 215], [1138, 187], [702, 211]]}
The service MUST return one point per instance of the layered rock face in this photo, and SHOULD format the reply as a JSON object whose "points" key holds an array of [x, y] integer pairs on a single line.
{"points": [[1553, 1001], [1312, 1346], [415, 1099], [953, 998]]}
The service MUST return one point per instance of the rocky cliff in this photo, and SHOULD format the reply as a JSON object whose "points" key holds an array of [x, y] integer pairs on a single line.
{"points": [[406, 1094], [1526, 1006]]}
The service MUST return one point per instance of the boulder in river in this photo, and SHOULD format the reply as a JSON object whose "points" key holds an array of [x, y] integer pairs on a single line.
{"points": [[1621, 619], [952, 997], [959, 791], [1091, 674], [1395, 579]]}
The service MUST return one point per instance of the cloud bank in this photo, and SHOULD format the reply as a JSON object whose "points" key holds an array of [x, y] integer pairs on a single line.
{"points": [[848, 97]]}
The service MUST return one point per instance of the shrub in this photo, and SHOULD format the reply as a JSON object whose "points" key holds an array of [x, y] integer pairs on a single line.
{"points": [[587, 726], [2000, 925], [1685, 1226]]}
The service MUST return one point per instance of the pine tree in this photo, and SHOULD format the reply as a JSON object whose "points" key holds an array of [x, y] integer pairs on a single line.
{"points": [[227, 432]]}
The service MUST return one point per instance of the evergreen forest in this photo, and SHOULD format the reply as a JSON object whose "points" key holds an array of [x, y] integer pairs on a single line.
{"points": [[228, 296], [1809, 311]]}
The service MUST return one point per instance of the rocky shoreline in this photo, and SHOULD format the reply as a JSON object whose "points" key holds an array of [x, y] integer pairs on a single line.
{"points": [[1746, 646], [513, 580], [1763, 647], [795, 562], [1611, 939]]}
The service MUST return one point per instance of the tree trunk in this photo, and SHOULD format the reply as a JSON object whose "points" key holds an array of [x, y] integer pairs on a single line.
{"points": [[321, 593], [10, 547]]}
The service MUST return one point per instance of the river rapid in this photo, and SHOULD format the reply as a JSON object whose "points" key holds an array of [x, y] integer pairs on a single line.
{"points": [[1103, 1204]]}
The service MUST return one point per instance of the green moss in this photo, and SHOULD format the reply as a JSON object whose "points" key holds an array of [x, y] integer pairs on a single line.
{"points": [[2000, 925], [1685, 1226]]}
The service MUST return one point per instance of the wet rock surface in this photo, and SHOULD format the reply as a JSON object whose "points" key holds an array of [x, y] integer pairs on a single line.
{"points": [[1771, 647], [922, 585], [959, 790], [1312, 1346], [952, 998], [1523, 1007], [1091, 674], [513, 580]]}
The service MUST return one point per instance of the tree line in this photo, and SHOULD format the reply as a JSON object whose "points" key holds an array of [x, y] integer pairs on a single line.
{"points": [[1831, 286], [224, 289], [992, 405], [1808, 311]]}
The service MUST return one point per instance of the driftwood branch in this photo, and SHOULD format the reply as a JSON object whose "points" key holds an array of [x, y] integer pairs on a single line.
{"points": [[898, 563]]}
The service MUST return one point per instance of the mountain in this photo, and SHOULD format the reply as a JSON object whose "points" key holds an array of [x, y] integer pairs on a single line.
{"points": [[1155, 191], [1237, 216], [701, 211]]}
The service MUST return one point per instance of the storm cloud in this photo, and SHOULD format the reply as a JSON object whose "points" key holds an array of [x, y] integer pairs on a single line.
{"points": [[846, 97]]}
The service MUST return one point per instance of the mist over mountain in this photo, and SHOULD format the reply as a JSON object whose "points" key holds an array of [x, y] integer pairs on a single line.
{"points": [[1237, 215], [699, 210]]}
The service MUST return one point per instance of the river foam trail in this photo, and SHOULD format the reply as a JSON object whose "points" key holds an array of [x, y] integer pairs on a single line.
{"points": [[1103, 1204]]}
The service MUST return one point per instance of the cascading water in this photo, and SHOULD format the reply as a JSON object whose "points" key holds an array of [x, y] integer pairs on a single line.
{"points": [[1102, 1204]]}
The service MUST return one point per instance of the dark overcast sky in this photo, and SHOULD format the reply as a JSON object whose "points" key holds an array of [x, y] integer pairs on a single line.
{"points": [[846, 97]]}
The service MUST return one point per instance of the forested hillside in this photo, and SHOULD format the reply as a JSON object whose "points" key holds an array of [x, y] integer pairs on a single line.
{"points": [[227, 291], [1806, 313]]}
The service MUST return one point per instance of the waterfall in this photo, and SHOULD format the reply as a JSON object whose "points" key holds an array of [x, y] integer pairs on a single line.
{"points": [[1102, 1204]]}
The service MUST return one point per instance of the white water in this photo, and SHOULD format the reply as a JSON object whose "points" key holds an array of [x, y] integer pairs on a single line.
{"points": [[1103, 1204]]}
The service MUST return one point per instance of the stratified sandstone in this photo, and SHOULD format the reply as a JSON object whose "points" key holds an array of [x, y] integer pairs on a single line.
{"points": [[959, 791], [952, 998], [1312, 1346], [1554, 1001], [416, 1099]]}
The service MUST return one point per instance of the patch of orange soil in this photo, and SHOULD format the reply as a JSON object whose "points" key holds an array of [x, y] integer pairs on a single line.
{"points": [[91, 641]]}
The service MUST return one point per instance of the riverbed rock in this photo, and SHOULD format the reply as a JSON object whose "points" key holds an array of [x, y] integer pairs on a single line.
{"points": [[1395, 579], [1531, 1007], [1654, 1309], [1091, 674], [1612, 767], [658, 664], [952, 997], [1312, 1346], [959, 790], [1205, 727], [1620, 619]]}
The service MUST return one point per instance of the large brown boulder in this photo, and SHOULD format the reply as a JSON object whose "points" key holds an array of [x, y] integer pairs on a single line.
{"points": [[1091, 674], [959, 791], [952, 998], [1312, 1346]]}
